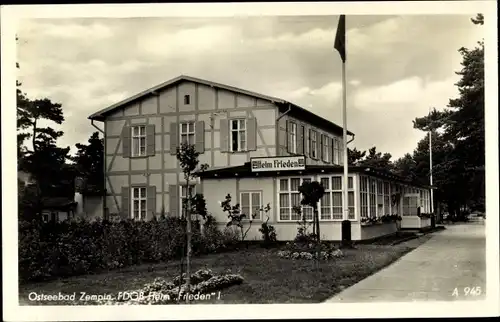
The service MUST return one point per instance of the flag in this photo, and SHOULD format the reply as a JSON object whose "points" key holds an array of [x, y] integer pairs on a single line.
{"points": [[340, 38]]}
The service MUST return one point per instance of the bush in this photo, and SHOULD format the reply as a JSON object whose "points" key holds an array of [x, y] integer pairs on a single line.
{"points": [[81, 247], [268, 234]]}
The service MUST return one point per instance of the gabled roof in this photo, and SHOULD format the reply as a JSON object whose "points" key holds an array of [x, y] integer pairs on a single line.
{"points": [[101, 115], [245, 171]]}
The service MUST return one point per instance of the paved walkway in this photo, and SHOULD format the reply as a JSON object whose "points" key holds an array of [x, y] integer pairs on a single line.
{"points": [[452, 258]]}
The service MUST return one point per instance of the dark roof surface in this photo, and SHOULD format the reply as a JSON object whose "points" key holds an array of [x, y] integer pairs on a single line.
{"points": [[245, 171], [313, 118]]}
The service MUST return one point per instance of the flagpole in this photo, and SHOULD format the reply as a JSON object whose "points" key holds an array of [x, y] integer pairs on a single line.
{"points": [[430, 164], [345, 161], [340, 45]]}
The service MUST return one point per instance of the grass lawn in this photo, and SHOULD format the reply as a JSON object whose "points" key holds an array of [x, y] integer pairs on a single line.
{"points": [[268, 278]]}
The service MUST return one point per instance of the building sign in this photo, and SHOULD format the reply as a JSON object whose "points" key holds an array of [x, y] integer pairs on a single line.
{"points": [[278, 163]]}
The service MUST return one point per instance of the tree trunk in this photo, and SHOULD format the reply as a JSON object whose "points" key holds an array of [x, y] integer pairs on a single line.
{"points": [[314, 224], [188, 235], [316, 216]]}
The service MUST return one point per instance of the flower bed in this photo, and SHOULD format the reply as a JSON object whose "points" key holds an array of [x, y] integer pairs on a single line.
{"points": [[309, 251], [161, 291], [310, 255], [368, 221]]}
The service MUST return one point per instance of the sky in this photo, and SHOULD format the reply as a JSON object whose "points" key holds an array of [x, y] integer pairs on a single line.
{"points": [[397, 66]]}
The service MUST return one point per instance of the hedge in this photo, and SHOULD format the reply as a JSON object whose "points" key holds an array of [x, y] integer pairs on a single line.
{"points": [[61, 249]]}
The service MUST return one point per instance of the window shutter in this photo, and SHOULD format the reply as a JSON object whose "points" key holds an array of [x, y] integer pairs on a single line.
{"points": [[321, 154], [300, 143], [341, 153], [335, 151], [126, 138], [330, 149], [151, 201], [224, 135], [125, 211], [318, 146], [173, 193], [174, 138], [200, 136], [288, 137], [150, 140], [252, 134], [309, 150]]}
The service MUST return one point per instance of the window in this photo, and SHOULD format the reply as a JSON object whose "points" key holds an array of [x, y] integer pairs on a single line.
{"points": [[292, 137], [314, 144], [394, 189], [373, 197], [387, 198], [289, 196], [363, 192], [139, 203], [380, 198], [427, 201], [187, 99], [238, 135], [187, 133], [184, 194], [335, 151], [139, 140], [251, 204], [325, 148], [331, 204]]}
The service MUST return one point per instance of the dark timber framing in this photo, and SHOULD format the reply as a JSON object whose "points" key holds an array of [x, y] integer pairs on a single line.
{"points": [[120, 119]]}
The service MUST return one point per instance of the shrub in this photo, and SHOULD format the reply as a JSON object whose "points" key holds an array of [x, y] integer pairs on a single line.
{"points": [[268, 234], [61, 249]]}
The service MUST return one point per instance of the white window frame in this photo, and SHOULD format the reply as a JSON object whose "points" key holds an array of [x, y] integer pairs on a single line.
{"points": [[372, 193], [139, 199], [336, 151], [364, 196], [250, 193], [329, 191], [241, 133], [182, 196], [380, 195], [188, 134], [290, 193], [326, 155], [293, 137], [387, 197], [393, 189], [314, 144], [136, 139]]}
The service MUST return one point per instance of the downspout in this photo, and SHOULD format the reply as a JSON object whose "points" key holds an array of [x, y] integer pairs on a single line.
{"points": [[352, 139], [278, 127], [104, 168]]}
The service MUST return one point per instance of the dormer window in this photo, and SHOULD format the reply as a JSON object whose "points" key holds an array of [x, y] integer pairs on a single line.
{"points": [[187, 100]]}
